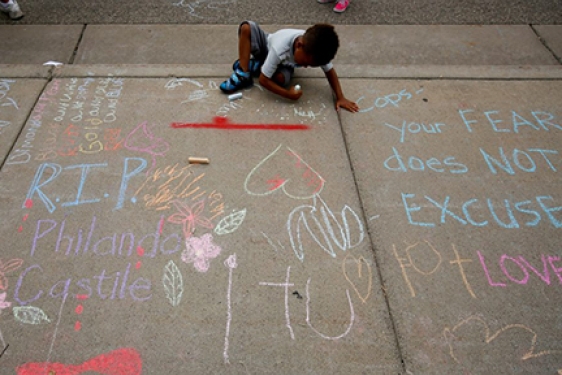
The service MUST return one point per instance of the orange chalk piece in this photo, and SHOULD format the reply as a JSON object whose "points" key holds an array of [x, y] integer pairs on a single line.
{"points": [[194, 160]]}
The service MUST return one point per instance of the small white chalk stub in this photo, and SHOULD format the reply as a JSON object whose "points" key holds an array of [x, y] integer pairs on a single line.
{"points": [[232, 97], [298, 87], [197, 160]]}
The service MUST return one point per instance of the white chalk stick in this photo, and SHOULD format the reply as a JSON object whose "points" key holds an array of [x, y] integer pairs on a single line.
{"points": [[238, 95]]}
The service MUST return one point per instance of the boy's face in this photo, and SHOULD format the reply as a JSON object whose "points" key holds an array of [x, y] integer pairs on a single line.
{"points": [[301, 57]]}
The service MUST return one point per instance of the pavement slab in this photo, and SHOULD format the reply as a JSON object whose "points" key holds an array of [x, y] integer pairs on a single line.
{"points": [[460, 183], [17, 98], [360, 45], [120, 256], [552, 37], [37, 44]]}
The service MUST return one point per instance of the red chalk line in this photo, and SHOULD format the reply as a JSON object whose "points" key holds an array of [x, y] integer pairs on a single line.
{"points": [[225, 124]]}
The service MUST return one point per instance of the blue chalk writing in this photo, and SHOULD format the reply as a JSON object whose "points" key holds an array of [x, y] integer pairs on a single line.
{"points": [[505, 213], [522, 160]]}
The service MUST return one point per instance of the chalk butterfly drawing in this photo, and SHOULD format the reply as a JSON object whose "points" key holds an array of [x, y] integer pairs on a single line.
{"points": [[324, 228], [477, 325], [286, 171], [141, 139]]}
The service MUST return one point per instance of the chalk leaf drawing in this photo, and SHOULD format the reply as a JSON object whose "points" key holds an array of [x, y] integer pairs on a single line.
{"points": [[353, 270], [323, 227], [230, 223], [124, 361], [141, 139], [284, 170], [477, 324], [30, 315], [3, 303], [173, 283], [190, 217], [7, 267], [200, 251]]}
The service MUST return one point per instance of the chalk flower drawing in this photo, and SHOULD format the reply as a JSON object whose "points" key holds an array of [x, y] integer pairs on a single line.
{"points": [[30, 315], [3, 303], [7, 267], [173, 283], [190, 217], [231, 222], [200, 251]]}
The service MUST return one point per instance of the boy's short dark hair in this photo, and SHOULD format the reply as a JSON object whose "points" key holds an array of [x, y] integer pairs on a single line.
{"points": [[321, 42]]}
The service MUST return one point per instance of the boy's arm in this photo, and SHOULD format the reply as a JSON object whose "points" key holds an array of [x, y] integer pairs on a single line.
{"points": [[270, 85], [341, 101]]}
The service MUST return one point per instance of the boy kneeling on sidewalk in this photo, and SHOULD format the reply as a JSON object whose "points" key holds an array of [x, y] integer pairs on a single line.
{"points": [[274, 56]]}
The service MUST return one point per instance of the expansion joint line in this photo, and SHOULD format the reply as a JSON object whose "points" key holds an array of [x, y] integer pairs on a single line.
{"points": [[545, 45], [376, 262]]}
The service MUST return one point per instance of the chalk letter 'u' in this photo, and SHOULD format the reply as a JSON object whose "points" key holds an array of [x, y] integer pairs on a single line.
{"points": [[351, 318]]}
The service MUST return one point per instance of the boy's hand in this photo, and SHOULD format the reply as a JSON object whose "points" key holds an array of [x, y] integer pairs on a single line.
{"points": [[294, 94], [346, 104]]}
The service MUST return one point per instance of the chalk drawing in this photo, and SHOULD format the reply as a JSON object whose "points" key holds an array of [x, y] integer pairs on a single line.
{"points": [[270, 242], [56, 330], [3, 303], [173, 283], [412, 264], [231, 264], [196, 95], [79, 310], [230, 223], [176, 82], [351, 315], [225, 124], [4, 345], [306, 216], [286, 286], [392, 100], [124, 361], [7, 267], [489, 337], [300, 185], [360, 263], [193, 6], [190, 217], [200, 251], [141, 139], [30, 315]]}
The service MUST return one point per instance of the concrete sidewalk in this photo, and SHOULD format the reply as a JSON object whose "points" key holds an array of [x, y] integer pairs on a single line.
{"points": [[418, 236]]}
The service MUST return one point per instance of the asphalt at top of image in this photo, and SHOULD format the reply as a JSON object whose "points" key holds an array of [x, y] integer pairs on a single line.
{"points": [[298, 12]]}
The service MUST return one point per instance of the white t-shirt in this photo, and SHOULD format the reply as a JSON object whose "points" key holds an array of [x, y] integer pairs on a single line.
{"points": [[280, 45]]}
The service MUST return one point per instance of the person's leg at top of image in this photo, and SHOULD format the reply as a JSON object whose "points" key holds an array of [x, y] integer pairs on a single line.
{"points": [[12, 8]]}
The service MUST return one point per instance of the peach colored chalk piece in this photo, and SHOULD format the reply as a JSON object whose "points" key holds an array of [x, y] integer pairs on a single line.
{"points": [[194, 160]]}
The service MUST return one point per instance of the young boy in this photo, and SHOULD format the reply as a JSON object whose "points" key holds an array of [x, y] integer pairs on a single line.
{"points": [[276, 55]]}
